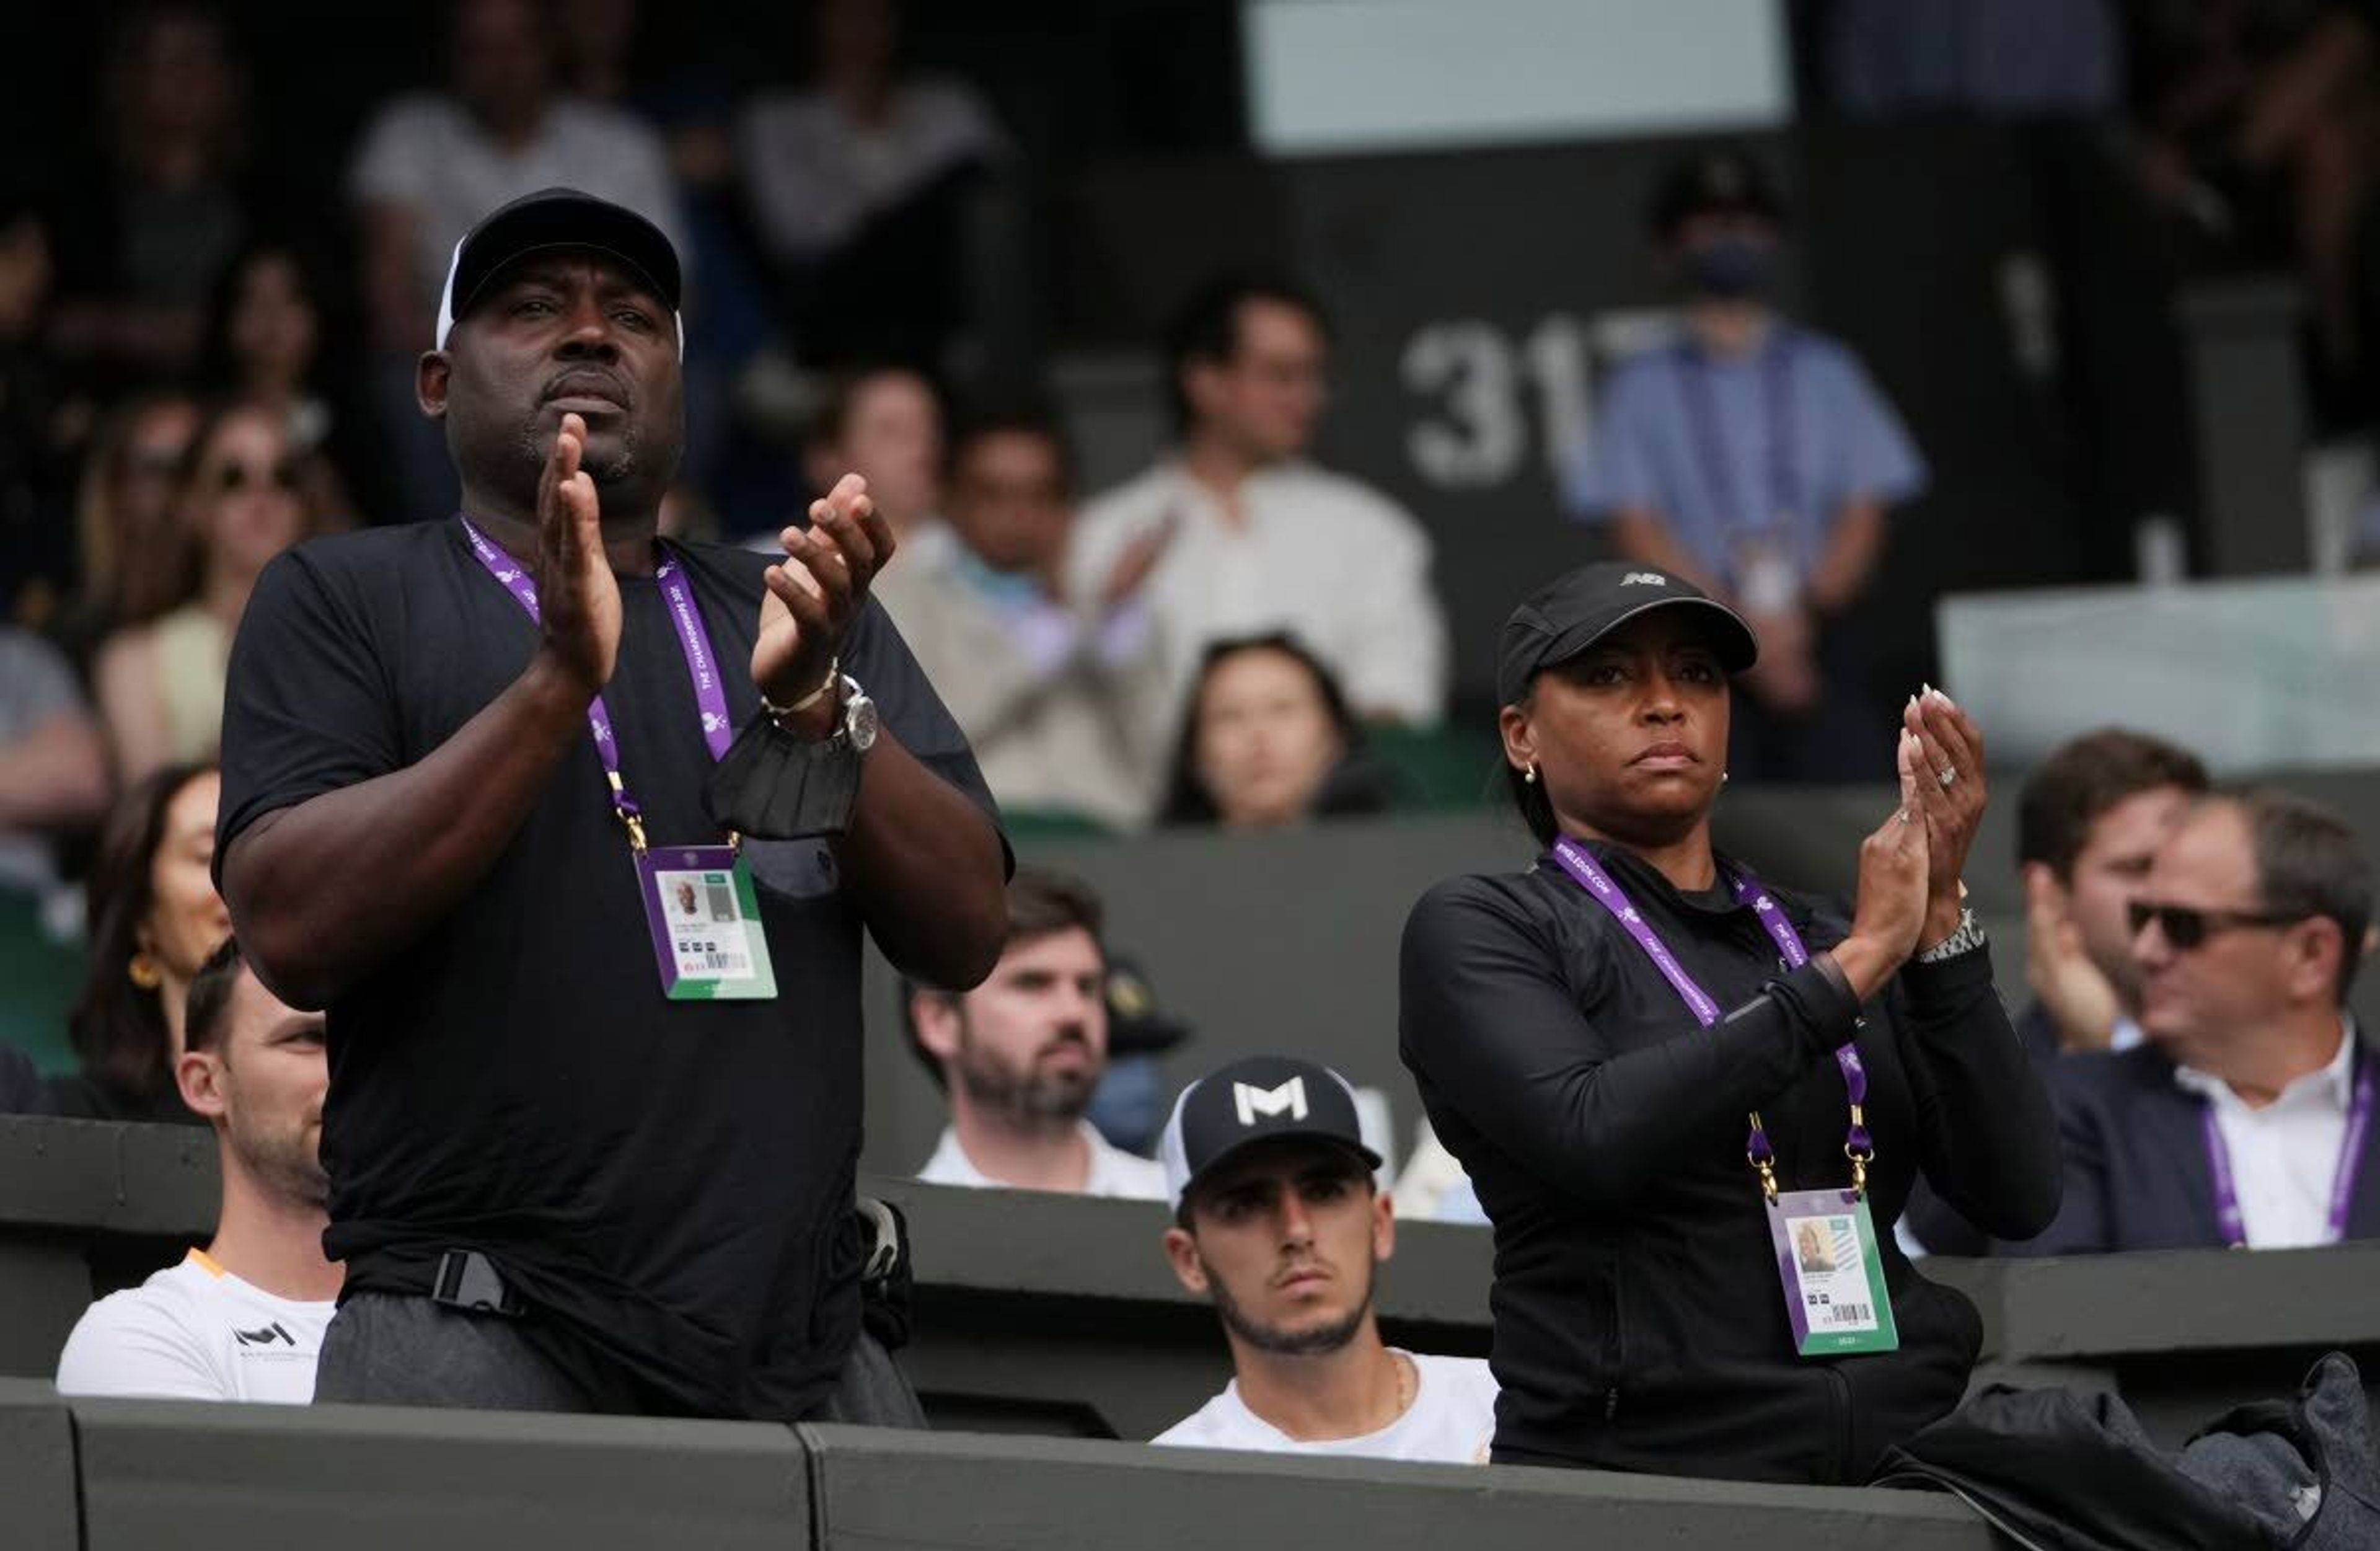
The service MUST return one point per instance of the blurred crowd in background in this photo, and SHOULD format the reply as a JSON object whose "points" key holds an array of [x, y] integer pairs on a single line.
{"points": [[217, 273]]}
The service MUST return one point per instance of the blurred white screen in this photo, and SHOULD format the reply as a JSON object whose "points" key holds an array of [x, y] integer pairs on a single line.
{"points": [[1334, 76]]}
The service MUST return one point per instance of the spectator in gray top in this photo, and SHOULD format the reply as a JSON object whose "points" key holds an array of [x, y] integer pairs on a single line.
{"points": [[432, 163], [868, 194], [53, 759]]}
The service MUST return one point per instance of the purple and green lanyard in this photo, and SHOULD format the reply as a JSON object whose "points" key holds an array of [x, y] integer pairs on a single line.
{"points": [[694, 641], [1858, 1145]]}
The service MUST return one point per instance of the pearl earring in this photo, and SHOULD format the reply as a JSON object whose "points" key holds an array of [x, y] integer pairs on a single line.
{"points": [[1530, 775]]}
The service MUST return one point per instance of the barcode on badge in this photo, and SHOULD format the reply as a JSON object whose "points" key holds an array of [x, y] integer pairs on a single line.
{"points": [[1849, 1314]]}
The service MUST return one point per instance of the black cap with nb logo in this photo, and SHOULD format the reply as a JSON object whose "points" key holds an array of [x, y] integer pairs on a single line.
{"points": [[1257, 1098], [1563, 619]]}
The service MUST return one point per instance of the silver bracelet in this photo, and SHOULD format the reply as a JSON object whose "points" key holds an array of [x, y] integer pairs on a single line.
{"points": [[1966, 939]]}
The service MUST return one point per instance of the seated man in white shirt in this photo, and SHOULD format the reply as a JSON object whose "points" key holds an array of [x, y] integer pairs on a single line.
{"points": [[242, 1319], [1021, 1054], [1262, 540], [1277, 1217]]}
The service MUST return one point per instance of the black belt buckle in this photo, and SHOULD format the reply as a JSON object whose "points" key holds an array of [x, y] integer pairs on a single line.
{"points": [[466, 1281]]}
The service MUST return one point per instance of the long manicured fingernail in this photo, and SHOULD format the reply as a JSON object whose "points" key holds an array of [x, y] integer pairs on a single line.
{"points": [[1945, 699]]}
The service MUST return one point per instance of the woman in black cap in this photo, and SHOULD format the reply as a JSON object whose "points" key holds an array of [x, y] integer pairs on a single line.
{"points": [[1692, 1105]]}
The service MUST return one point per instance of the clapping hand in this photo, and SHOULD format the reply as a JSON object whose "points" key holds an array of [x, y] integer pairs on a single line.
{"points": [[1894, 868], [578, 598], [1952, 792], [817, 591]]}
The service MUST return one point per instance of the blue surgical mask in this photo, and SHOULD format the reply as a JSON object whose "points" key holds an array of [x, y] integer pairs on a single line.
{"points": [[1730, 266]]}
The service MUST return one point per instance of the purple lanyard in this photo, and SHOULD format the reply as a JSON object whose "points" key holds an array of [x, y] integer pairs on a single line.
{"points": [[2342, 1183], [718, 730], [1694, 370], [1581, 866]]}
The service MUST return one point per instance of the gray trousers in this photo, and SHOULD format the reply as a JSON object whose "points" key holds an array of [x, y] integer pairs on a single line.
{"points": [[387, 1350]]}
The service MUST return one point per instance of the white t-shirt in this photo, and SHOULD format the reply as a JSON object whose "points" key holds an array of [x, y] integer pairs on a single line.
{"points": [[425, 151], [196, 1332], [1451, 1420], [1114, 1172]]}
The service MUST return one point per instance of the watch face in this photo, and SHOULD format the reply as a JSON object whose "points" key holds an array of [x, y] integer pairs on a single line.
{"points": [[859, 720]]}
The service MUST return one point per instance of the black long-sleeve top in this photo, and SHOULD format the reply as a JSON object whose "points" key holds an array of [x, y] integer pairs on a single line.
{"points": [[1639, 1322]]}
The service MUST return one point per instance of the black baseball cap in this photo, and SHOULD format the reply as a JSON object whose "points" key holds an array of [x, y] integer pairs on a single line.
{"points": [[1257, 1098], [1138, 1024], [553, 218], [1580, 609], [1722, 182]]}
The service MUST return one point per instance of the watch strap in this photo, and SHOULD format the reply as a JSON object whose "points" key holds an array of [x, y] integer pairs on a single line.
{"points": [[1965, 938]]}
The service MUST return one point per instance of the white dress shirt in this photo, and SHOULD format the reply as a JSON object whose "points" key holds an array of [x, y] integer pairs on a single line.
{"points": [[1331, 561], [2285, 1157], [1114, 1172]]}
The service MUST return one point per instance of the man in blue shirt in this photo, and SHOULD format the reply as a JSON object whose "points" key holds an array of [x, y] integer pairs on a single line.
{"points": [[1755, 456]]}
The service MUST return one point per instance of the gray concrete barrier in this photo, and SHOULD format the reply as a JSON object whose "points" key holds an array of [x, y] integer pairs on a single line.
{"points": [[374, 1479], [1053, 1316], [878, 1489]]}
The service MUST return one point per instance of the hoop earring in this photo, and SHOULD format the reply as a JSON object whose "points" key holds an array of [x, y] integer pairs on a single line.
{"points": [[142, 971], [1530, 775]]}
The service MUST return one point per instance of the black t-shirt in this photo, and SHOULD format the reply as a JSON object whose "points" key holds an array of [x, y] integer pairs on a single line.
{"points": [[1639, 1320], [668, 1183]]}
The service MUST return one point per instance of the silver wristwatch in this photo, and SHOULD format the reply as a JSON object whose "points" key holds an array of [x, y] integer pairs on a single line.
{"points": [[1966, 939], [860, 722]]}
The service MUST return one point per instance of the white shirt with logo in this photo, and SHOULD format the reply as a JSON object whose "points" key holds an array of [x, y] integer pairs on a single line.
{"points": [[1451, 1421], [196, 1332], [2285, 1157], [1114, 1172]]}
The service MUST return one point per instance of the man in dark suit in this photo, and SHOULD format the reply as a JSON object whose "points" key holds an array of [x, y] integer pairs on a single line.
{"points": [[2089, 822], [2247, 1119]]}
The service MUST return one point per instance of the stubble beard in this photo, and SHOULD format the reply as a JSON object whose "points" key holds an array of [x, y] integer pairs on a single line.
{"points": [[284, 1164], [1026, 1099], [1318, 1342], [621, 467]]}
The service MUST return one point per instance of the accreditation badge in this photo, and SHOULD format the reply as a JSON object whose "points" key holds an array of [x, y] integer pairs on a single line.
{"points": [[706, 921], [1833, 1277]]}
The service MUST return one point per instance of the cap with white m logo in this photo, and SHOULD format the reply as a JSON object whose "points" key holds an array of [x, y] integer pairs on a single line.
{"points": [[1257, 1098]]}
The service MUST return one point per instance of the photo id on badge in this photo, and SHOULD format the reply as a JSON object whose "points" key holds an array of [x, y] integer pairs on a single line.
{"points": [[1833, 1277], [706, 921]]}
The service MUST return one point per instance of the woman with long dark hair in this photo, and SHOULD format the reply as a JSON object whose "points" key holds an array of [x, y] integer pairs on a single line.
{"points": [[154, 919], [1693, 1104], [1268, 739], [243, 497]]}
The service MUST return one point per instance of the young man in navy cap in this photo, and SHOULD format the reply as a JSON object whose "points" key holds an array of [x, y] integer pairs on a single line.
{"points": [[1277, 1217], [586, 1153]]}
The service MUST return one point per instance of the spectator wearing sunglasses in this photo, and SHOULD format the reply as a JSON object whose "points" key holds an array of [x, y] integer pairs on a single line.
{"points": [[240, 499], [2247, 1117]]}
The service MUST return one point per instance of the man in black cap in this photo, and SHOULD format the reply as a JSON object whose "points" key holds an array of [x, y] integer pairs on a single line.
{"points": [[1755, 456], [1278, 1218], [587, 1154]]}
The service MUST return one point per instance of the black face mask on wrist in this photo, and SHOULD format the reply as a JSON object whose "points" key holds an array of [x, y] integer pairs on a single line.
{"points": [[1731, 267]]}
